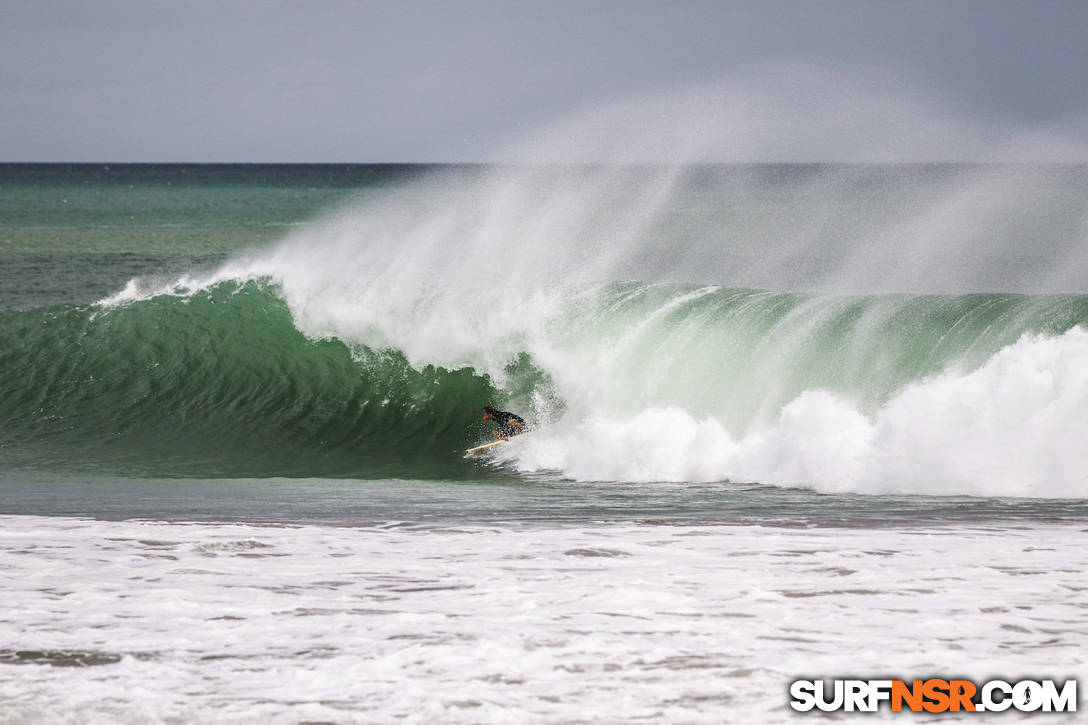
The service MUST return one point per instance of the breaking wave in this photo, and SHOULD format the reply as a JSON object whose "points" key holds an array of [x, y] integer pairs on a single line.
{"points": [[642, 341]]}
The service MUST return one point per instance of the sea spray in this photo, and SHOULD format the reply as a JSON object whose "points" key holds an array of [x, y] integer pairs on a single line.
{"points": [[624, 382], [1013, 427], [595, 298]]}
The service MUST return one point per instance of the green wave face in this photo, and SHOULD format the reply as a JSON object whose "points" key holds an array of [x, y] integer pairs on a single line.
{"points": [[220, 382], [740, 355]]}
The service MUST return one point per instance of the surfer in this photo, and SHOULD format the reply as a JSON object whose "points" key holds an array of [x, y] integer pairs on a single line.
{"points": [[509, 424]]}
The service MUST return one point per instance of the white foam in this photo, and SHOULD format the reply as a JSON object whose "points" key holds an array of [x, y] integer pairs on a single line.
{"points": [[704, 624], [1016, 426], [140, 288]]}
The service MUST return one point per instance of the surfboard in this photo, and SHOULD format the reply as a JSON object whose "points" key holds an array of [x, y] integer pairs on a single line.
{"points": [[492, 444]]}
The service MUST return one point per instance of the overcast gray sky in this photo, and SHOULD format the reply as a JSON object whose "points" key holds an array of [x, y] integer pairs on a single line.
{"points": [[339, 81]]}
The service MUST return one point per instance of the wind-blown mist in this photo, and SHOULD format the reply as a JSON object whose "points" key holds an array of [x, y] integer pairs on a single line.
{"points": [[795, 113], [875, 328]]}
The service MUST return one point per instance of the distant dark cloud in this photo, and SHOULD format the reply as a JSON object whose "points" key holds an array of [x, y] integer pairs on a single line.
{"points": [[419, 81]]}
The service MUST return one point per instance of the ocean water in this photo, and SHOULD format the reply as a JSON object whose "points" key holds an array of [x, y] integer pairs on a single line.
{"points": [[789, 421]]}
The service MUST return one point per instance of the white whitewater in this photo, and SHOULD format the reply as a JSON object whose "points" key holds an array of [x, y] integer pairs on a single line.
{"points": [[674, 624]]}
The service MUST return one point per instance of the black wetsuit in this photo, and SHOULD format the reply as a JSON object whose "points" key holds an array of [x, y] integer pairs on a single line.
{"points": [[503, 419]]}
